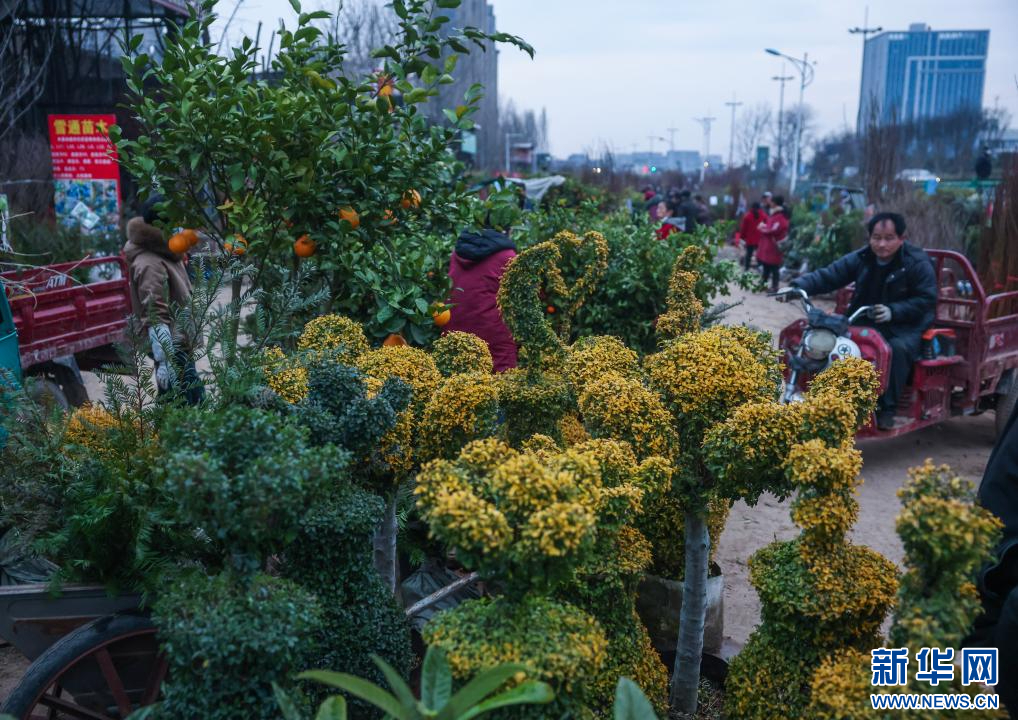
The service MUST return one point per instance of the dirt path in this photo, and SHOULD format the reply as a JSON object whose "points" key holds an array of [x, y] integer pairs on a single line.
{"points": [[962, 443]]}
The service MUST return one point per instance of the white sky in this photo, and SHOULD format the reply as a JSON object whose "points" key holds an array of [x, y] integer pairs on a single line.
{"points": [[615, 72]]}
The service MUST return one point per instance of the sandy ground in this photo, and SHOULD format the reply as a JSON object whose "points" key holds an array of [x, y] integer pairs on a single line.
{"points": [[964, 443]]}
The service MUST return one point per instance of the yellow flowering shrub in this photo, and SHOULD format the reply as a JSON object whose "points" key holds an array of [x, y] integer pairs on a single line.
{"points": [[89, 427], [542, 446], [590, 358], [533, 403], [417, 369], [703, 376], [411, 365], [339, 336], [558, 643], [571, 429], [526, 520], [748, 452], [531, 273], [624, 409], [684, 309], [947, 537], [605, 586], [457, 352], [123, 441], [840, 687], [463, 409], [284, 375], [853, 379]]}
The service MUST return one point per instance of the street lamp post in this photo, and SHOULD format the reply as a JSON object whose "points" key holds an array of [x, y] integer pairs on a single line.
{"points": [[705, 121], [805, 68], [782, 78], [508, 135], [731, 133]]}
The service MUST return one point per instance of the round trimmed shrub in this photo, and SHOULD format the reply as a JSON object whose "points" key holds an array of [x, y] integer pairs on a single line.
{"points": [[458, 352], [246, 477], [227, 640]]}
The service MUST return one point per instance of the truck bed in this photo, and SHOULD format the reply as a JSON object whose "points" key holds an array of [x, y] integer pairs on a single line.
{"points": [[55, 316]]}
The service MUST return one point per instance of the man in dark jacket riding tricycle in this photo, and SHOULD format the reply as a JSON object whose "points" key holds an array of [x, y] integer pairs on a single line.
{"points": [[898, 281]]}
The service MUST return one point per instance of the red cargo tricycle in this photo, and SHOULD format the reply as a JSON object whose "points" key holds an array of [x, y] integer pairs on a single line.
{"points": [[969, 360], [64, 326]]}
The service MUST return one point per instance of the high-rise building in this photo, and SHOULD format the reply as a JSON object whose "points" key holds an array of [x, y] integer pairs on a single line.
{"points": [[479, 67], [922, 73]]}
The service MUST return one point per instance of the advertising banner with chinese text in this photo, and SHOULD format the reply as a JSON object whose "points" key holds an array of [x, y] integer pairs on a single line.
{"points": [[86, 176]]}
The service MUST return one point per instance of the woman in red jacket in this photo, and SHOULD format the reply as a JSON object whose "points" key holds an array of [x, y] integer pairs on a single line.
{"points": [[750, 232], [773, 230]]}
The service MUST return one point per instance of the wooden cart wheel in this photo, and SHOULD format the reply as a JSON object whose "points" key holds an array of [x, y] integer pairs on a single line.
{"points": [[103, 670]]}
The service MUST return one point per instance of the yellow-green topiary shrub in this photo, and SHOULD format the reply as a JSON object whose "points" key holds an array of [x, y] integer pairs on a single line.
{"points": [[463, 409], [284, 375], [606, 585], [947, 537], [822, 597], [417, 369], [591, 358], [525, 521], [457, 353], [339, 336]]}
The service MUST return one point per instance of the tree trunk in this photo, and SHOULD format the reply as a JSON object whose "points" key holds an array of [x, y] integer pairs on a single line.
{"points": [[236, 286], [385, 547], [686, 674]]}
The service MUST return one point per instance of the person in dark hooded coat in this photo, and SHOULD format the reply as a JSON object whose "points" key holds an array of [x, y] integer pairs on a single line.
{"points": [[475, 268]]}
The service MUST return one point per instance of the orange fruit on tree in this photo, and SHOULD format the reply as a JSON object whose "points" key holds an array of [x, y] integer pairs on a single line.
{"points": [[390, 217], [411, 199], [304, 247], [551, 309], [441, 316], [178, 244], [238, 246], [351, 216], [394, 340], [190, 236]]}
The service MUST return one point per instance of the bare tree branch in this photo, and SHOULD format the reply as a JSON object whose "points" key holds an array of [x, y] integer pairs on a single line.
{"points": [[23, 64]]}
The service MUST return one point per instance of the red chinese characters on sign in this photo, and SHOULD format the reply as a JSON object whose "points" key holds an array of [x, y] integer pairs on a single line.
{"points": [[81, 148]]}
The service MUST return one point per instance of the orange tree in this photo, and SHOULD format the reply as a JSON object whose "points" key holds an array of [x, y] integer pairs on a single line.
{"points": [[307, 150]]}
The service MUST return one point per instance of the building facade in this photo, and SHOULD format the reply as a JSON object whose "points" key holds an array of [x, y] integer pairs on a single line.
{"points": [[922, 73], [479, 67]]}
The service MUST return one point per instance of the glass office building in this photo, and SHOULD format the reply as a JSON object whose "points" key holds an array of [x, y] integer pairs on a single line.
{"points": [[922, 73]]}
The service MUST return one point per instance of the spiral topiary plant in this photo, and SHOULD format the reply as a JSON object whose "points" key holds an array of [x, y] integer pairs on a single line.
{"points": [[821, 595], [947, 537]]}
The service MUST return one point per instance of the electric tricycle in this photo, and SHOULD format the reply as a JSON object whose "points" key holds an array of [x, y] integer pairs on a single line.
{"points": [[969, 360]]}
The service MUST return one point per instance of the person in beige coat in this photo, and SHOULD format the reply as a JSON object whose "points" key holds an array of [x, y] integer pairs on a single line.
{"points": [[160, 288]]}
